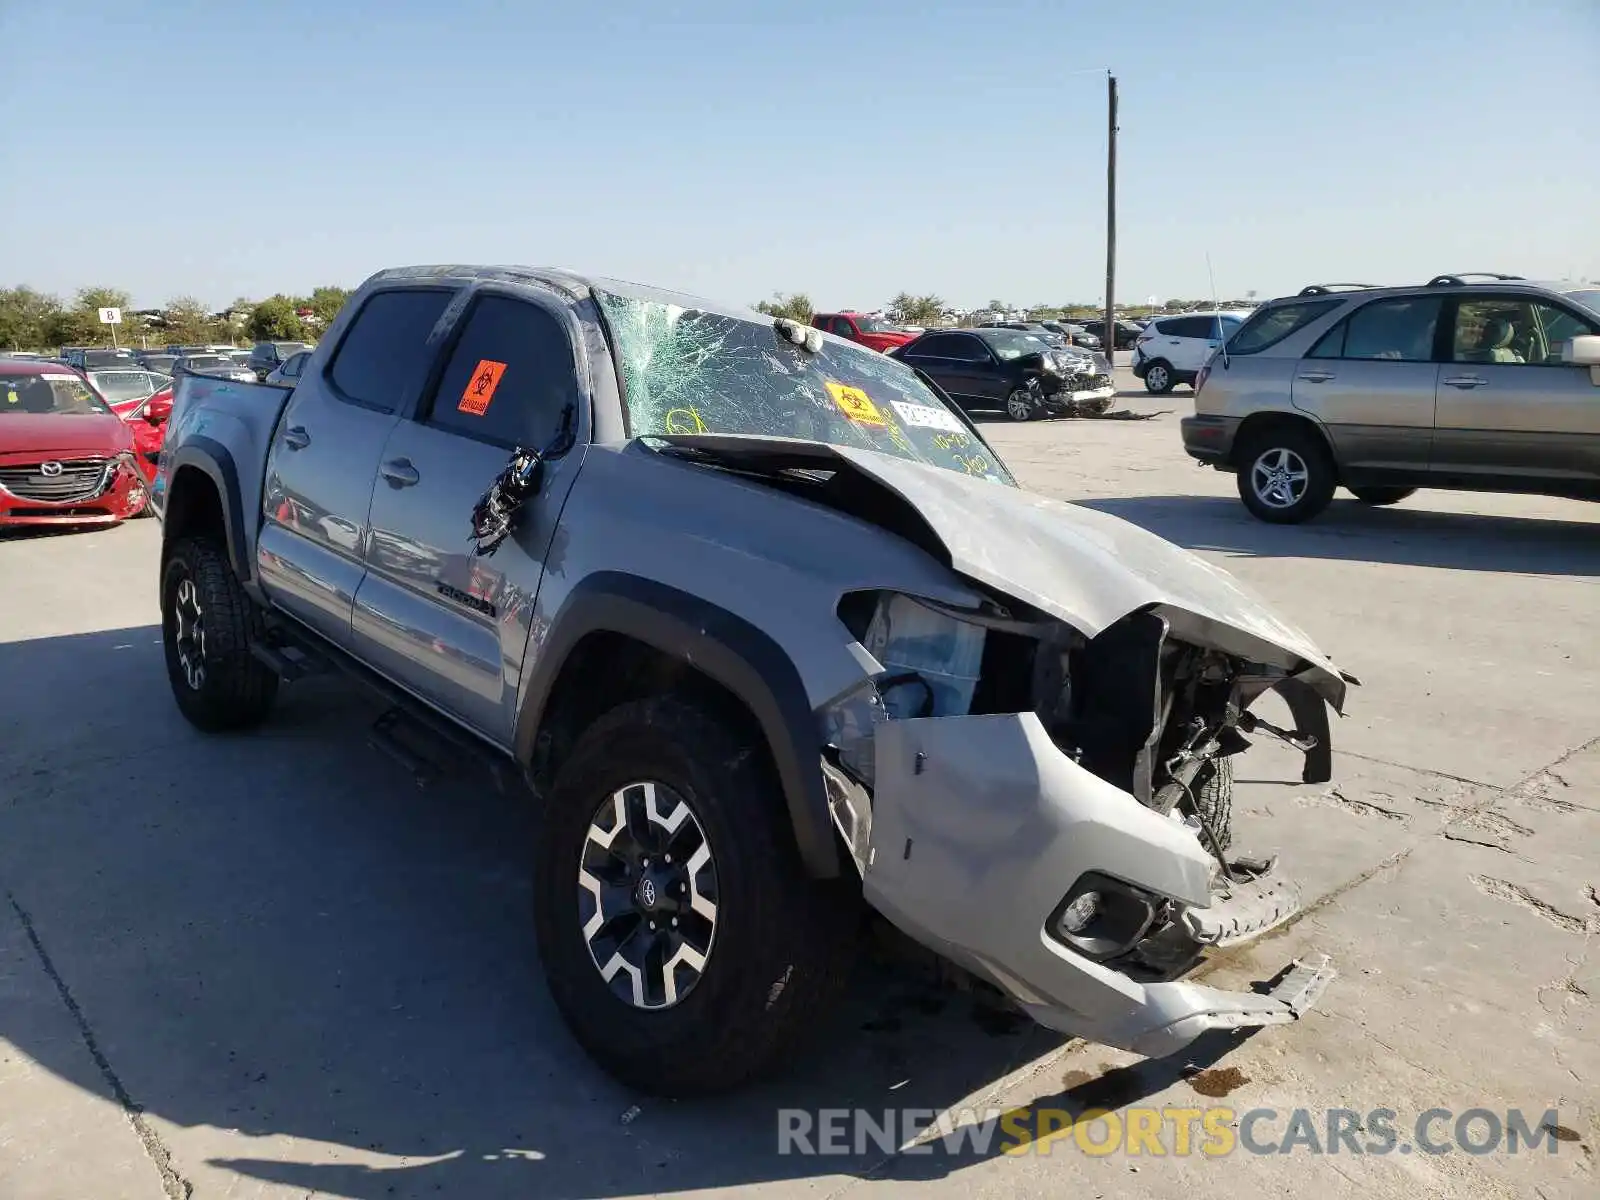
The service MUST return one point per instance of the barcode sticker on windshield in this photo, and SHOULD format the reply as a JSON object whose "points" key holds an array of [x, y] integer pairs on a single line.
{"points": [[924, 416], [855, 404]]}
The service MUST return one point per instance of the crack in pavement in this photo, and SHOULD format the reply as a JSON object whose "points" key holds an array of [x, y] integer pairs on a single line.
{"points": [[1334, 798], [1514, 893], [174, 1184]]}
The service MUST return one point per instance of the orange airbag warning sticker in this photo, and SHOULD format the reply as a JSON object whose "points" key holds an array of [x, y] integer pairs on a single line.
{"points": [[855, 404], [480, 388]]}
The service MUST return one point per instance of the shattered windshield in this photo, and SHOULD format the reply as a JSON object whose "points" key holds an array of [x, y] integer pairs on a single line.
{"points": [[689, 371]]}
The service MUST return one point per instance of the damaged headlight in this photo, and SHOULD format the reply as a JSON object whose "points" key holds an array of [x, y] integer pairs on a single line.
{"points": [[930, 664]]}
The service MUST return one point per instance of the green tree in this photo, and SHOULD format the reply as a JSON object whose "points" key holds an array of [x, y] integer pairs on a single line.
{"points": [[25, 318], [796, 306], [906, 309], [188, 321], [325, 303], [274, 319]]}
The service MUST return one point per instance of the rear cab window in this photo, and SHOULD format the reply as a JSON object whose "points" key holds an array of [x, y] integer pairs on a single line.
{"points": [[1269, 326], [381, 362]]}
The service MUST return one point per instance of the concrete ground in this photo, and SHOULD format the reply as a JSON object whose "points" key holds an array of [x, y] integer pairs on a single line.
{"points": [[267, 966]]}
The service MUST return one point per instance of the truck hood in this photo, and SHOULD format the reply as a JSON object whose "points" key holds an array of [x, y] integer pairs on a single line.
{"points": [[1087, 568], [26, 436]]}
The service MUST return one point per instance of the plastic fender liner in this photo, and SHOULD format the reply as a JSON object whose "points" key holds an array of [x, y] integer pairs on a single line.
{"points": [[1310, 715], [726, 648]]}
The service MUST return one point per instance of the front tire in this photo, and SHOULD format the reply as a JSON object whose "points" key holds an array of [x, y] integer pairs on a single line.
{"points": [[1020, 405], [745, 949], [1158, 378], [207, 623], [1286, 475], [1214, 800], [1381, 496]]}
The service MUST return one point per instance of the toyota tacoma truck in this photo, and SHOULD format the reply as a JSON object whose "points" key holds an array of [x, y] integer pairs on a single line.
{"points": [[770, 635]]}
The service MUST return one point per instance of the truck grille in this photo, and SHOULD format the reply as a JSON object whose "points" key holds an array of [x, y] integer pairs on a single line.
{"points": [[80, 479]]}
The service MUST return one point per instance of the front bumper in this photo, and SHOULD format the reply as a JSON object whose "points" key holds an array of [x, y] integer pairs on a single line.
{"points": [[1209, 439], [980, 826], [124, 495]]}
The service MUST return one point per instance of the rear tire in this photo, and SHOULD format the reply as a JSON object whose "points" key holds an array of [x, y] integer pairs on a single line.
{"points": [[779, 948], [207, 624], [1381, 496], [1286, 475], [1158, 377]]}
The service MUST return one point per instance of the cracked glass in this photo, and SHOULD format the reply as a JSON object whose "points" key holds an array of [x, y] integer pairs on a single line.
{"points": [[688, 371]]}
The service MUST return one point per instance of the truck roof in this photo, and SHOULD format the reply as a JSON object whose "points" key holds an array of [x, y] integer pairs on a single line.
{"points": [[578, 285]]}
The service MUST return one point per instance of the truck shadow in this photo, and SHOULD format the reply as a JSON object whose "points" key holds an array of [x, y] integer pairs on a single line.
{"points": [[1353, 531], [277, 935]]}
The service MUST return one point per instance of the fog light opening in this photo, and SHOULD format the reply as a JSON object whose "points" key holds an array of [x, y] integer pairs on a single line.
{"points": [[1077, 915]]}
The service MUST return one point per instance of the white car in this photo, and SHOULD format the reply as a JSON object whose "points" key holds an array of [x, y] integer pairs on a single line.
{"points": [[1171, 350]]}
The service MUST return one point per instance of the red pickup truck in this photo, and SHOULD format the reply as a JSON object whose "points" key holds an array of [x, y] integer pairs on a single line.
{"points": [[858, 327]]}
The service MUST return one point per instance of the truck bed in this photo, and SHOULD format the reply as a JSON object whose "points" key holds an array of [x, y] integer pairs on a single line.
{"points": [[221, 416]]}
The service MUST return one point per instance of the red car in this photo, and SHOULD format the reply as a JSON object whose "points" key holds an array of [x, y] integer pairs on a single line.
{"points": [[873, 332], [65, 457], [144, 400]]}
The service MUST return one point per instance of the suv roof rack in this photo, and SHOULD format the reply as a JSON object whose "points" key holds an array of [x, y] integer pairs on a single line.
{"points": [[1460, 278], [1324, 289]]}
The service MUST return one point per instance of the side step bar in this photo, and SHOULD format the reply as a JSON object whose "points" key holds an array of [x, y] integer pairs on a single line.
{"points": [[429, 745]]}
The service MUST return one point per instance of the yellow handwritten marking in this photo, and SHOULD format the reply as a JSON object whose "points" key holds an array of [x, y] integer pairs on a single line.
{"points": [[854, 403], [684, 421], [952, 441], [898, 437]]}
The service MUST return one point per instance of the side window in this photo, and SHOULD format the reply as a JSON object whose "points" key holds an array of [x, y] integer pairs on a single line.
{"points": [[510, 377], [1398, 330], [935, 345], [1269, 326], [1558, 327], [1507, 330], [385, 353], [296, 364], [843, 327], [966, 348]]}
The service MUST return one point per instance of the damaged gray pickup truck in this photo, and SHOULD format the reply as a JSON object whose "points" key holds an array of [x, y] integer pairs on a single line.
{"points": [[770, 632]]}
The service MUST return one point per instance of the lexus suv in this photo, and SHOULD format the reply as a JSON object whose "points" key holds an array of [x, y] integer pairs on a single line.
{"points": [[1469, 381]]}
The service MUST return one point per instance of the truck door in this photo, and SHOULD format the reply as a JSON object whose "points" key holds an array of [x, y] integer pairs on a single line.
{"points": [[324, 455], [448, 625]]}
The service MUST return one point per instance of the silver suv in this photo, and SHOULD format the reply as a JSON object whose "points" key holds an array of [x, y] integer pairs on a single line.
{"points": [[1480, 382]]}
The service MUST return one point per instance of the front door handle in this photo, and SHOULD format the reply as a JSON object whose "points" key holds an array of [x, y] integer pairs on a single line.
{"points": [[1466, 382], [399, 472], [296, 438], [1316, 376]]}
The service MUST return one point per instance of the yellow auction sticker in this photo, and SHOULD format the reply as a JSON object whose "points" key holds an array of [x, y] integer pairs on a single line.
{"points": [[855, 404]]}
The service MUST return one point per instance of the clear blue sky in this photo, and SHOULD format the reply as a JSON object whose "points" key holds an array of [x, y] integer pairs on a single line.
{"points": [[849, 150]]}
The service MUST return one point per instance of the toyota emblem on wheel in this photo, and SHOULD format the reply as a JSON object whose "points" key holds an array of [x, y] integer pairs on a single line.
{"points": [[50, 469], [647, 893]]}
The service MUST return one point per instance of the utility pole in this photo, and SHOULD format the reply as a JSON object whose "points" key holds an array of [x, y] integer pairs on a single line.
{"points": [[1110, 340]]}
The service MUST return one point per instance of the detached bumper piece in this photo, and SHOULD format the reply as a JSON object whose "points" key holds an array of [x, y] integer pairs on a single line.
{"points": [[981, 829], [1174, 1014]]}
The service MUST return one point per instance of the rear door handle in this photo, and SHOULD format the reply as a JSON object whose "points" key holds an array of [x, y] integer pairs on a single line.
{"points": [[1466, 382], [1316, 376], [399, 472], [296, 438]]}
